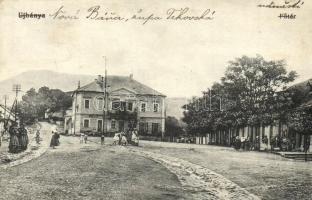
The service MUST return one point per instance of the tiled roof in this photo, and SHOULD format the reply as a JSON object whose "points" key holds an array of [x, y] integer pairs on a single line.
{"points": [[118, 82]]}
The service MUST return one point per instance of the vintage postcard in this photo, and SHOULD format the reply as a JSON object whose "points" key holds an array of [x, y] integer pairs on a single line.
{"points": [[146, 99]]}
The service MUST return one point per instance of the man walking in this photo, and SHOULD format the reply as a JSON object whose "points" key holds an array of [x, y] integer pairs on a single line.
{"points": [[85, 138], [81, 138], [102, 139]]}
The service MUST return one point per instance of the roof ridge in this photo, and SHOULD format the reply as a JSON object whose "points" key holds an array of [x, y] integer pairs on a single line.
{"points": [[116, 82]]}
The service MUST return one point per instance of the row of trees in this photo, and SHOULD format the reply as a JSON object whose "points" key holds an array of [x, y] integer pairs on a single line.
{"points": [[34, 103], [253, 91]]}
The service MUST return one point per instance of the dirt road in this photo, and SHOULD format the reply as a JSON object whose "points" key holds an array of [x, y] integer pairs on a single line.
{"points": [[266, 175], [34, 150], [89, 171]]}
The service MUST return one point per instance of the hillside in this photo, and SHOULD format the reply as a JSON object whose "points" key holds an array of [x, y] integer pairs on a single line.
{"points": [[40, 78]]}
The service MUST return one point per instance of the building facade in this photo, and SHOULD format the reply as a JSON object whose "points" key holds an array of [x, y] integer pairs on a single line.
{"points": [[127, 104]]}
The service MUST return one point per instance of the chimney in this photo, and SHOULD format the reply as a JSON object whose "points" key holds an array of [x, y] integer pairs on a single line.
{"points": [[131, 76]]}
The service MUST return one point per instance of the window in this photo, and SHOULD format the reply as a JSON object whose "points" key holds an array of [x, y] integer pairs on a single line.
{"points": [[86, 123], [113, 124], [155, 128], [115, 105], [143, 107], [100, 103], [143, 127], [130, 106], [87, 103], [100, 125], [122, 105], [156, 107]]}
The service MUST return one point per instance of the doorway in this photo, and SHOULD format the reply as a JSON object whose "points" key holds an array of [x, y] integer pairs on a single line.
{"points": [[121, 125], [99, 125]]}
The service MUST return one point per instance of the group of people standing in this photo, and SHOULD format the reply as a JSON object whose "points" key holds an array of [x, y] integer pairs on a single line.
{"points": [[18, 138], [245, 143], [125, 138]]}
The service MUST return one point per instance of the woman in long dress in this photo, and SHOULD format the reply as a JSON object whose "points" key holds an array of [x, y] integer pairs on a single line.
{"points": [[54, 140], [14, 145], [116, 139], [38, 137], [23, 138], [135, 138]]}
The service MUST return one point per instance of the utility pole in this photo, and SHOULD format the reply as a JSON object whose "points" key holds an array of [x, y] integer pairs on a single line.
{"points": [[220, 102], [75, 107], [209, 99], [16, 89], [5, 101], [104, 82], [4, 115]]}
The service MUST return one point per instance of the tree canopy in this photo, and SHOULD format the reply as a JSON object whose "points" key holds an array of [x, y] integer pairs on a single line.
{"points": [[252, 91], [173, 127], [34, 104]]}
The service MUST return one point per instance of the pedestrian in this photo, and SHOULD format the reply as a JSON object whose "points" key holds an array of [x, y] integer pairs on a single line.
{"points": [[102, 139], [116, 139], [14, 143], [85, 138], [57, 135], [237, 143], [55, 139], [124, 140], [135, 138], [257, 143], [23, 137], [81, 138], [243, 142], [38, 137], [120, 136], [247, 143]]}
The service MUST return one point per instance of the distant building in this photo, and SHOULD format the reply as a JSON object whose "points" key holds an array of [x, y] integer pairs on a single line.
{"points": [[130, 104], [55, 117], [266, 133]]}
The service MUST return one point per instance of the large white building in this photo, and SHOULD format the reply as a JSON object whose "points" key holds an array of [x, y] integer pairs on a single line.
{"points": [[130, 105]]}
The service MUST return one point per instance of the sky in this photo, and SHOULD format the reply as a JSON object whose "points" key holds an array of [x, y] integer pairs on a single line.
{"points": [[177, 58]]}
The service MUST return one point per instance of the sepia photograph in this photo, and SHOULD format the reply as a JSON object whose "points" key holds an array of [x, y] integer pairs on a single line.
{"points": [[155, 100]]}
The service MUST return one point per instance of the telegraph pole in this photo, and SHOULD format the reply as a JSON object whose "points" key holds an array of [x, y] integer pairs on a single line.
{"points": [[104, 82], [220, 102], [75, 114], [209, 99], [5, 101], [5, 107], [16, 89]]}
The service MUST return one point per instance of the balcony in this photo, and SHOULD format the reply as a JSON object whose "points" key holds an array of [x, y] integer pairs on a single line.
{"points": [[122, 115]]}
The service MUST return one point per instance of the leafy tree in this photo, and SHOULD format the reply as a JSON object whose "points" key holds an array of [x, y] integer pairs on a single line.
{"points": [[250, 93], [34, 104], [300, 120], [254, 85], [300, 117], [173, 127]]}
